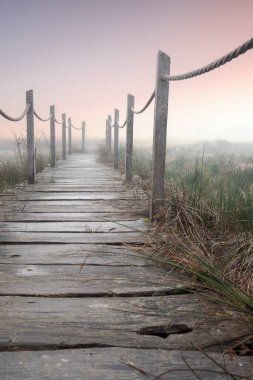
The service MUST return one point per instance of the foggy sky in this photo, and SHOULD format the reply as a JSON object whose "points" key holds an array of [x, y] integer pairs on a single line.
{"points": [[85, 56]]}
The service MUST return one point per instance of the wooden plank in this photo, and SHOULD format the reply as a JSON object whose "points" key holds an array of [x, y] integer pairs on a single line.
{"points": [[78, 279], [98, 254], [98, 204], [74, 189], [60, 206], [115, 364], [67, 216], [69, 237], [33, 196], [82, 227], [44, 322]]}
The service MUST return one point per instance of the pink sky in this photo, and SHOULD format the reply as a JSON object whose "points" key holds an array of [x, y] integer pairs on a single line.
{"points": [[85, 56]]}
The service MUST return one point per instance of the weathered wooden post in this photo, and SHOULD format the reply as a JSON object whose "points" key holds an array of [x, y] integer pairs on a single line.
{"points": [[64, 136], [31, 161], [83, 136], [116, 140], [109, 132], [129, 139], [160, 132], [106, 135], [70, 136], [52, 136]]}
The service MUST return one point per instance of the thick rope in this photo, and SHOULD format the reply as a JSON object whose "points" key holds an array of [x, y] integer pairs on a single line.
{"points": [[16, 118], [40, 118], [213, 65], [121, 126], [146, 105], [57, 122], [78, 129]]}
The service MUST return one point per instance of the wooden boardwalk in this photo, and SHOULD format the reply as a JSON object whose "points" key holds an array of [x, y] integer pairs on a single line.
{"points": [[77, 302]]}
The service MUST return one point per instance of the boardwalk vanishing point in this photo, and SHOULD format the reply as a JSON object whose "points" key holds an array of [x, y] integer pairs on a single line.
{"points": [[78, 302]]}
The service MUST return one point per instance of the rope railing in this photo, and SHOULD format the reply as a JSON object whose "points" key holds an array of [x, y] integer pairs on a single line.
{"points": [[160, 94], [78, 129], [41, 118], [146, 105], [213, 65], [121, 126], [57, 122], [31, 114], [19, 118]]}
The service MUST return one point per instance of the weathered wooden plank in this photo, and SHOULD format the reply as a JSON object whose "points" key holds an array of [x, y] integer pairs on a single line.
{"points": [[42, 322], [70, 237], [120, 364], [81, 279], [97, 203], [74, 189], [82, 227], [60, 206], [33, 196], [67, 216], [32, 254]]}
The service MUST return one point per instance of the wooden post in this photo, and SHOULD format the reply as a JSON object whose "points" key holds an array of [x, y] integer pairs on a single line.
{"points": [[116, 140], [159, 133], [70, 136], [106, 134], [64, 136], [83, 136], [109, 132], [52, 136], [31, 162], [129, 139]]}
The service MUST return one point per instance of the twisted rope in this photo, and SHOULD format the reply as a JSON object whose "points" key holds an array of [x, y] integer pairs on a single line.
{"points": [[146, 105], [121, 126], [16, 118], [78, 129], [213, 65], [57, 122], [40, 118]]}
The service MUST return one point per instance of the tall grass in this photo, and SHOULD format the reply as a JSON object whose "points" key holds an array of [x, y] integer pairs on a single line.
{"points": [[223, 189], [13, 166], [222, 186], [204, 228]]}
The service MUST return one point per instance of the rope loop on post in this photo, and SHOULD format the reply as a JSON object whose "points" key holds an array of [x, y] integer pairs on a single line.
{"points": [[78, 129], [213, 65], [40, 118], [2, 113], [57, 122], [121, 126], [146, 105]]}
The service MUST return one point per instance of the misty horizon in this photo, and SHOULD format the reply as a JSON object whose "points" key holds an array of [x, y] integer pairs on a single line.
{"points": [[109, 50]]}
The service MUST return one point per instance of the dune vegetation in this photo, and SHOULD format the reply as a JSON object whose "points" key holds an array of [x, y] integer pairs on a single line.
{"points": [[204, 228]]}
